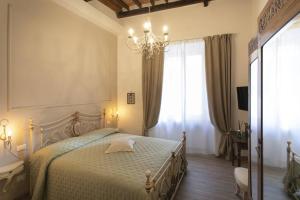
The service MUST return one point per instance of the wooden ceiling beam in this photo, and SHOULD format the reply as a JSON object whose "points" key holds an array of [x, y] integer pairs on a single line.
{"points": [[122, 4], [152, 2], [138, 3], [205, 3], [112, 5], [159, 7]]}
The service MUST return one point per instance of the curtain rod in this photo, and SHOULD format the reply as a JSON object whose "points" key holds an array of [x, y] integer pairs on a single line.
{"points": [[199, 38]]}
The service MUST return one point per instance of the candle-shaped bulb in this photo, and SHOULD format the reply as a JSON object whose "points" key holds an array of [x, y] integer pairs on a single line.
{"points": [[165, 29], [135, 39], [130, 32], [147, 26], [9, 132]]}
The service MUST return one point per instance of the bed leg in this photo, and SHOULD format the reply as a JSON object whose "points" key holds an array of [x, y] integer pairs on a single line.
{"points": [[288, 149], [184, 152]]}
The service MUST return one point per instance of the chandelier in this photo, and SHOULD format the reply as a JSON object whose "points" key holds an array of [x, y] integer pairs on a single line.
{"points": [[149, 44]]}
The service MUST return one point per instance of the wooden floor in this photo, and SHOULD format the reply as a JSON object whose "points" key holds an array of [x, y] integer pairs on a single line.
{"points": [[208, 178], [273, 183]]}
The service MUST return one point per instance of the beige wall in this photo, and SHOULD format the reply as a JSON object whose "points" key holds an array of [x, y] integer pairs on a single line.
{"points": [[257, 7], [52, 63], [222, 16]]}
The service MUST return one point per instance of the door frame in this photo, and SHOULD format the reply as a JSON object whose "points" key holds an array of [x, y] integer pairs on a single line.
{"points": [[252, 56]]}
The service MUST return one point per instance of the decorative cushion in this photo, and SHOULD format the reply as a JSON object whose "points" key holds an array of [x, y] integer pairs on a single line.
{"points": [[124, 144], [241, 178]]}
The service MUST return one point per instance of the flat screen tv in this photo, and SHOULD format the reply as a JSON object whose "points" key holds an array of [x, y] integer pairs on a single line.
{"points": [[242, 94]]}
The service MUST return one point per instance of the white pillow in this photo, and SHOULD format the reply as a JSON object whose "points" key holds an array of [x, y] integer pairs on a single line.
{"points": [[120, 145]]}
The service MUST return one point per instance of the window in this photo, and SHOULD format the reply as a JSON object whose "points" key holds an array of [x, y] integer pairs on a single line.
{"points": [[184, 100]]}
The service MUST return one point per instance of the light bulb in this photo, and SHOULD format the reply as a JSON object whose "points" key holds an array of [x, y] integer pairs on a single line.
{"points": [[135, 39], [147, 26], [9, 132], [165, 29], [130, 32]]}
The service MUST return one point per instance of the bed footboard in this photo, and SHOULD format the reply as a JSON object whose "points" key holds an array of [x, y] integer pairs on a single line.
{"points": [[164, 184]]}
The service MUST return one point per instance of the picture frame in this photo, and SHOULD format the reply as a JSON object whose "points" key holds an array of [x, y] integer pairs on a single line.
{"points": [[130, 98]]}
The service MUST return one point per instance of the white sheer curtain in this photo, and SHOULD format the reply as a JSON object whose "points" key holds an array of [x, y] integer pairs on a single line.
{"points": [[281, 96], [184, 99]]}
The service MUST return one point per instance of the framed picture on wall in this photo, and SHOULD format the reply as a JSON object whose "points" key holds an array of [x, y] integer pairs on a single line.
{"points": [[130, 98]]}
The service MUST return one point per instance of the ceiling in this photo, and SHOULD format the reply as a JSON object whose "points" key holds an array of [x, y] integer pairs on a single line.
{"points": [[127, 8]]}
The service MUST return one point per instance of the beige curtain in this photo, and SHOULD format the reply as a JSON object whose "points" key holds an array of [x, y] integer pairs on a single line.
{"points": [[152, 89], [218, 78]]}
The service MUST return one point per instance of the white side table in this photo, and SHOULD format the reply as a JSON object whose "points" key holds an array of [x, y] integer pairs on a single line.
{"points": [[10, 165]]}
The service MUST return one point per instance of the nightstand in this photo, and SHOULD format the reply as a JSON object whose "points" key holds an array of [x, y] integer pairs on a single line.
{"points": [[10, 165]]}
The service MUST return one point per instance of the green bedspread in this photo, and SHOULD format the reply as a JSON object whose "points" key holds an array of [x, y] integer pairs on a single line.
{"points": [[78, 168]]}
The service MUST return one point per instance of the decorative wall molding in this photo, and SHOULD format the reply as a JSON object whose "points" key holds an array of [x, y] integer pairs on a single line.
{"points": [[270, 12], [9, 104], [253, 45], [12, 108]]}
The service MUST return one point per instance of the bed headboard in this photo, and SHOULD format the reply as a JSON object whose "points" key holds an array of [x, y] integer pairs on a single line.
{"points": [[75, 124]]}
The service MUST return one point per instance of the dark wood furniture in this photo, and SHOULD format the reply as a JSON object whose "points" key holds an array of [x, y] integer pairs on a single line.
{"points": [[275, 15], [239, 143], [253, 65]]}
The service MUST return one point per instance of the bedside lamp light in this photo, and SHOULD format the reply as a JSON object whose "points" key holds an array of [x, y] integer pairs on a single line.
{"points": [[6, 133]]}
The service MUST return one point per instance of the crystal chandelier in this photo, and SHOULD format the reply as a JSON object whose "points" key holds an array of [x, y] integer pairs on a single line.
{"points": [[148, 44]]}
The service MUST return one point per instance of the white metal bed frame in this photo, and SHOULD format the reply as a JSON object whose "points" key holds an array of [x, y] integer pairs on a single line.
{"points": [[291, 159], [162, 185]]}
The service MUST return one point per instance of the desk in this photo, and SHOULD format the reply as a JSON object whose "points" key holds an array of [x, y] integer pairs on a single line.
{"points": [[242, 144]]}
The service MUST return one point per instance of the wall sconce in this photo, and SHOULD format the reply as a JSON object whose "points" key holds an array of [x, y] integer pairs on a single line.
{"points": [[114, 114], [5, 134]]}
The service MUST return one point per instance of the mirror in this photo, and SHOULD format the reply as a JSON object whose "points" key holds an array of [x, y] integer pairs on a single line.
{"points": [[281, 113], [253, 124]]}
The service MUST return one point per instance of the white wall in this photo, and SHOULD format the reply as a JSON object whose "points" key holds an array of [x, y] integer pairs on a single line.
{"points": [[52, 63], [196, 21]]}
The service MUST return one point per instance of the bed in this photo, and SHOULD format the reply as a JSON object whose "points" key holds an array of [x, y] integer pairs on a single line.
{"points": [[291, 179], [68, 161]]}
